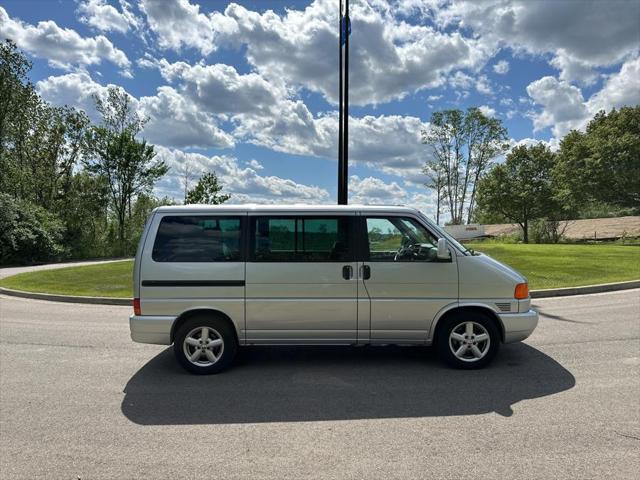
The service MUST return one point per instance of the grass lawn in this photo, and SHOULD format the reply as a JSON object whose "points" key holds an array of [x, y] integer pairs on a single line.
{"points": [[103, 280], [546, 266], [567, 265]]}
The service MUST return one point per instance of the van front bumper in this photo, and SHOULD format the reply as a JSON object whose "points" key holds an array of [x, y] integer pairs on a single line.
{"points": [[518, 326], [148, 329]]}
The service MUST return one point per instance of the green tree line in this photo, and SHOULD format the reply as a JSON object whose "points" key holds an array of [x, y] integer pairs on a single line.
{"points": [[595, 173], [71, 188]]}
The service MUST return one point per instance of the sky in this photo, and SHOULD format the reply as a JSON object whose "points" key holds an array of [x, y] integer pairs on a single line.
{"points": [[249, 89]]}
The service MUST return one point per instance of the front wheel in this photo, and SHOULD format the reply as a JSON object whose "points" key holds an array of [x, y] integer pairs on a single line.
{"points": [[205, 345], [468, 340]]}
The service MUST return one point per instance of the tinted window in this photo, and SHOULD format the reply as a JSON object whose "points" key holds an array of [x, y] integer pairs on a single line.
{"points": [[397, 239], [298, 239], [198, 239]]}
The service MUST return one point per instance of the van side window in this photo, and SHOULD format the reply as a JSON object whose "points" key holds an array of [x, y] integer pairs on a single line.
{"points": [[198, 238], [400, 239], [300, 239]]}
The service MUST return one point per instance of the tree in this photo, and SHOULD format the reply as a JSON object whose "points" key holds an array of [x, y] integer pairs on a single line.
{"points": [[115, 153], [602, 164], [207, 191], [13, 82], [435, 181], [463, 145], [521, 188], [186, 174], [141, 210], [83, 208]]}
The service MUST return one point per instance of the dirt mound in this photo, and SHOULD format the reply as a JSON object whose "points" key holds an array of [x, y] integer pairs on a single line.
{"points": [[588, 229]]}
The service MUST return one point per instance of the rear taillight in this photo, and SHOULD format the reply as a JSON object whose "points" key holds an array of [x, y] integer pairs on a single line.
{"points": [[136, 306], [522, 291]]}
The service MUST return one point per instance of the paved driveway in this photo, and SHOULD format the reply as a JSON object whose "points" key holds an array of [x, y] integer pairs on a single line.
{"points": [[78, 399]]}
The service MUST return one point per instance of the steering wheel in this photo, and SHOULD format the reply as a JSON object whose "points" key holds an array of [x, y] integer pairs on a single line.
{"points": [[407, 251]]}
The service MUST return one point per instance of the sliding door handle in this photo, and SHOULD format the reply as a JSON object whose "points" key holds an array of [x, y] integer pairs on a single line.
{"points": [[347, 272], [365, 272]]}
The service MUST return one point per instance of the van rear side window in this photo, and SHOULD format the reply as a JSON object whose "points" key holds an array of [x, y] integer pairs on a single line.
{"points": [[300, 239], [198, 238]]}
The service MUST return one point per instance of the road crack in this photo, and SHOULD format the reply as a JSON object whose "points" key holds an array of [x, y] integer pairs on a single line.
{"points": [[48, 344]]}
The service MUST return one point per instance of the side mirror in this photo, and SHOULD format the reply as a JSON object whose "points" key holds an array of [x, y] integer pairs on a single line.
{"points": [[443, 249]]}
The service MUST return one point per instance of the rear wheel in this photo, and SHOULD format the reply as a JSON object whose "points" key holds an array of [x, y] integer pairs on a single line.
{"points": [[205, 345], [468, 340]]}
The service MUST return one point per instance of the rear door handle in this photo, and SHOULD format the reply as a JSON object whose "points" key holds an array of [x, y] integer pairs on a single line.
{"points": [[347, 272], [365, 272]]}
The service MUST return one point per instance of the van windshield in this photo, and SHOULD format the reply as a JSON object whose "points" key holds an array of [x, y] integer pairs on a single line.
{"points": [[443, 234]]}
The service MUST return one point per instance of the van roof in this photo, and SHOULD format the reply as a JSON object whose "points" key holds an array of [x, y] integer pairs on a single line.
{"points": [[283, 208]]}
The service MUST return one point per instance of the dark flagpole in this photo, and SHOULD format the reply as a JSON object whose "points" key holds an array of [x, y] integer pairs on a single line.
{"points": [[340, 119], [345, 114]]}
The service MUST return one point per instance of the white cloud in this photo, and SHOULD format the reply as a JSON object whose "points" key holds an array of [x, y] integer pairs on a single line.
{"points": [[105, 17], [74, 89], [573, 70], [388, 143], [501, 68], [460, 80], [588, 34], [244, 184], [375, 191], [553, 144], [172, 120], [180, 24], [564, 107], [487, 110], [620, 89], [63, 47], [220, 88], [389, 58], [483, 85], [255, 164], [264, 114]]}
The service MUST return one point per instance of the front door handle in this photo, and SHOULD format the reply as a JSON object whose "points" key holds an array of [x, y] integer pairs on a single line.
{"points": [[347, 272], [365, 272]]}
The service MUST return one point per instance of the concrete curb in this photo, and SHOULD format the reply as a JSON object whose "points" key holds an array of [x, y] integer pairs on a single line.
{"points": [[567, 291], [550, 292], [66, 298]]}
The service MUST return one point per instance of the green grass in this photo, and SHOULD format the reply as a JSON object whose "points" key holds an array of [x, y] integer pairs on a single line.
{"points": [[566, 265], [103, 280], [546, 266]]}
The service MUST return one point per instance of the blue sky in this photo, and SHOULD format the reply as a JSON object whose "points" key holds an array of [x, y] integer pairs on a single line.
{"points": [[248, 88]]}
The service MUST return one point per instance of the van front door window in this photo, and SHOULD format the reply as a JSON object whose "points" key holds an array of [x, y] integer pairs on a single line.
{"points": [[398, 239]]}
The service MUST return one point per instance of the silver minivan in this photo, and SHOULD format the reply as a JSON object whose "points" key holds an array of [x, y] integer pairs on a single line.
{"points": [[210, 279]]}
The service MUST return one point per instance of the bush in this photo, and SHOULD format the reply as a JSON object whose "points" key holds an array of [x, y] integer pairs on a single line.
{"points": [[544, 230], [28, 233]]}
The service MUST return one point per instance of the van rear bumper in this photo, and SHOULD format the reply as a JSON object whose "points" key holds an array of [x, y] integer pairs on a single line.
{"points": [[148, 329], [518, 326]]}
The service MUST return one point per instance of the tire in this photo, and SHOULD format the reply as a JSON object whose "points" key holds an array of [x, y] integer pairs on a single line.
{"points": [[211, 354], [464, 350]]}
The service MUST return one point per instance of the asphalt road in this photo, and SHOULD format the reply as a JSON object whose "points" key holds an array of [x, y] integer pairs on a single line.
{"points": [[78, 399]]}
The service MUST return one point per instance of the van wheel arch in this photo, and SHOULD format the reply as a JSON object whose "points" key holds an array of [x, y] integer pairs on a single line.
{"points": [[471, 309], [182, 318]]}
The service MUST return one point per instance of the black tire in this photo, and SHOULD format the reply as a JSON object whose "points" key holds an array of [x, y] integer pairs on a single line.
{"points": [[457, 321], [216, 328]]}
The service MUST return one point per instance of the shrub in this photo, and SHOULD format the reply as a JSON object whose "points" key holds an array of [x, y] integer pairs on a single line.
{"points": [[544, 230], [28, 233]]}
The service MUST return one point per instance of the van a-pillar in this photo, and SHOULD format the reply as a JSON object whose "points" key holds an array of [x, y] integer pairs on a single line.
{"points": [[343, 122]]}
